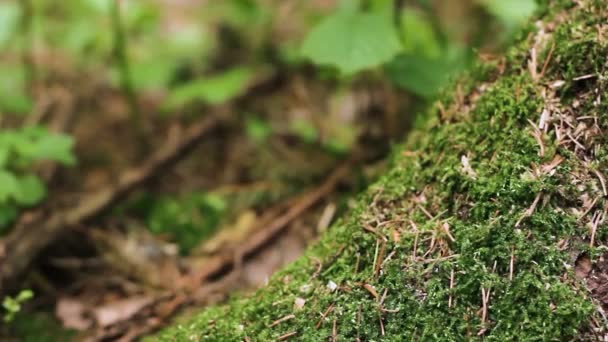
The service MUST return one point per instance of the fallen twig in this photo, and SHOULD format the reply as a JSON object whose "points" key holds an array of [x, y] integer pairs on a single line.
{"points": [[281, 320], [324, 315]]}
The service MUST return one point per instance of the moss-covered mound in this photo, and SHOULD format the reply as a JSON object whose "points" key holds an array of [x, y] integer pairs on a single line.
{"points": [[489, 225]]}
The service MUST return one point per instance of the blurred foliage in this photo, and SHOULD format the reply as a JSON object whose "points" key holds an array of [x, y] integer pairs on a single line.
{"points": [[359, 35], [39, 327], [425, 63], [363, 35], [212, 90], [19, 151], [212, 60], [186, 219], [258, 130], [193, 217]]}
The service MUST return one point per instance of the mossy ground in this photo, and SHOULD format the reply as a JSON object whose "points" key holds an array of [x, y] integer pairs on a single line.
{"points": [[475, 231]]}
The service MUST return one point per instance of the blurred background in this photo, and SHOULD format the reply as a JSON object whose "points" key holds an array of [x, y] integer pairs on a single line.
{"points": [[264, 118]]}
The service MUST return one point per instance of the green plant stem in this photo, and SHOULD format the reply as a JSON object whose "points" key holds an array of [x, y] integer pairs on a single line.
{"points": [[122, 61], [398, 6], [27, 32]]}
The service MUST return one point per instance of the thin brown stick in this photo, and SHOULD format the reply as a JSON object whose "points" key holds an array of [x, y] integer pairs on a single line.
{"points": [[378, 266], [547, 60], [450, 300], [287, 335], [512, 264], [281, 320], [334, 331], [324, 315], [381, 323], [371, 289], [596, 220], [530, 209], [415, 249]]}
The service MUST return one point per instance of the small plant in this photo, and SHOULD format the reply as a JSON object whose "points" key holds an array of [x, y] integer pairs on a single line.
{"points": [[12, 306], [415, 52], [19, 151]]}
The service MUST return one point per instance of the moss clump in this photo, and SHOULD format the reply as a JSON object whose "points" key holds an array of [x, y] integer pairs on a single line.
{"points": [[471, 235]]}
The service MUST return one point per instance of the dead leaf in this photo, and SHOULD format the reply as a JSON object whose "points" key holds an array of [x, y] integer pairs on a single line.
{"points": [[582, 266], [72, 312], [119, 311], [299, 303]]}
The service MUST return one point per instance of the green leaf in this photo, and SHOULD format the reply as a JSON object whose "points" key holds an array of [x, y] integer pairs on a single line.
{"points": [[212, 90], [352, 41], [11, 305], [25, 295], [305, 130], [215, 202], [9, 186], [419, 35], [47, 146], [258, 130], [511, 12], [424, 76], [153, 74], [31, 190]]}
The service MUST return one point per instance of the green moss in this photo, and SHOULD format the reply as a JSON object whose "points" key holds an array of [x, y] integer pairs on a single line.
{"points": [[478, 234]]}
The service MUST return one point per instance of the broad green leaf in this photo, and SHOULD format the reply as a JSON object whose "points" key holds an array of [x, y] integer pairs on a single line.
{"points": [[512, 12], [212, 90], [422, 75], [352, 41], [419, 35], [9, 186], [47, 146], [31, 190]]}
